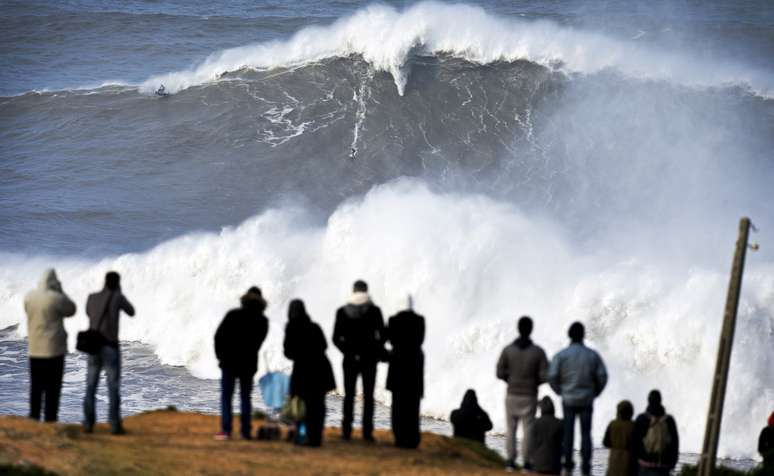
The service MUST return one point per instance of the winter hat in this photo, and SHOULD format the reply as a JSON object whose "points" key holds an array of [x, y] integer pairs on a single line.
{"points": [[771, 419]]}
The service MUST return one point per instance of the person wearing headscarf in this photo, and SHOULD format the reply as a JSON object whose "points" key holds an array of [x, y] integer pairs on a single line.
{"points": [[312, 375], [46, 307], [470, 420], [405, 378], [237, 342], [619, 437]]}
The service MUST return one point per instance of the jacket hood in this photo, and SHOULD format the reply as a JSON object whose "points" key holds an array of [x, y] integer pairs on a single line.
{"points": [[469, 401], [49, 282], [625, 410], [546, 406], [358, 304], [771, 419]]}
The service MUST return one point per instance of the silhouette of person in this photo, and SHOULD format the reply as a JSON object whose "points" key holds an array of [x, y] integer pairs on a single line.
{"points": [[103, 309], [766, 445], [578, 374], [312, 375], [359, 334], [405, 377], [470, 420], [237, 341], [546, 440], [619, 437], [656, 441], [46, 307]]}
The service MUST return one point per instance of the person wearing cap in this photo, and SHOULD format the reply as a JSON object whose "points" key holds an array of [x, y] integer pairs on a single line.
{"points": [[359, 334], [405, 378], [578, 375], [523, 366], [237, 341]]}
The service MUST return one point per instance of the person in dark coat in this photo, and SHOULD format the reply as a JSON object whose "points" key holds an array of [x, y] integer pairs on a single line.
{"points": [[405, 377], [359, 334], [656, 441], [766, 445], [312, 374], [619, 437], [470, 420], [237, 341], [546, 440]]}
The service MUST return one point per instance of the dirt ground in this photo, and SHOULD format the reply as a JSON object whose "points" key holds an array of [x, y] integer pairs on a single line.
{"points": [[170, 442]]}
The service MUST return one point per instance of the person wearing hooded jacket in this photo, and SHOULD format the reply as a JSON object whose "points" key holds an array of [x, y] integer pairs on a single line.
{"points": [[578, 375], [405, 377], [656, 419], [523, 366], [470, 420], [546, 440], [619, 437], [46, 307], [312, 375], [766, 445], [359, 334], [237, 341]]}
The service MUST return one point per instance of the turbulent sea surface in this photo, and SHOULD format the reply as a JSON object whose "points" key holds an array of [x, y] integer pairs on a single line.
{"points": [[568, 160]]}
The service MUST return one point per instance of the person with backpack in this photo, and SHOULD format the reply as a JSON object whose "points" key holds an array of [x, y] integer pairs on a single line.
{"points": [[523, 366], [359, 334], [656, 441], [46, 307], [470, 420], [766, 445], [619, 437], [578, 374], [312, 375], [405, 378], [546, 440], [104, 309], [237, 341]]}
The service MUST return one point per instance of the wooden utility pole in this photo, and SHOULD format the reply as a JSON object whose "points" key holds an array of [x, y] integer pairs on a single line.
{"points": [[712, 434]]}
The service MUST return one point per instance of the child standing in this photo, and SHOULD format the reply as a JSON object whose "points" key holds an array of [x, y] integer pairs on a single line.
{"points": [[619, 437]]}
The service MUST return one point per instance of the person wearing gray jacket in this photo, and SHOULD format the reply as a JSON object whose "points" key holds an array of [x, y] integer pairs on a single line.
{"points": [[523, 366], [46, 307], [103, 309], [578, 375]]}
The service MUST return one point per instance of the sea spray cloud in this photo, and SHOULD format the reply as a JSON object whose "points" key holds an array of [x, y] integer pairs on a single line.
{"points": [[387, 38], [475, 265]]}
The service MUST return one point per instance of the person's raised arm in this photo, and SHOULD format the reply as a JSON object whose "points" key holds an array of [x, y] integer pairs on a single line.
{"points": [[125, 305], [65, 306]]}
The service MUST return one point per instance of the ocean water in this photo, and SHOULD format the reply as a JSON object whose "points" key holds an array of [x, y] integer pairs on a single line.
{"points": [[567, 160]]}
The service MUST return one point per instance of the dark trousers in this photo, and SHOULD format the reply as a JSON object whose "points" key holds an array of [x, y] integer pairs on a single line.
{"points": [[45, 379], [315, 419], [109, 358], [352, 368], [227, 383], [584, 414], [405, 418]]}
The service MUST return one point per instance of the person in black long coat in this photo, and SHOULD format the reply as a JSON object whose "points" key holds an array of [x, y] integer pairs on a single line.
{"points": [[405, 377], [312, 374]]}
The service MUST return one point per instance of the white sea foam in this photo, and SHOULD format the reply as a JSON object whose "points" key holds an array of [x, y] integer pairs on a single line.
{"points": [[386, 38], [474, 265]]}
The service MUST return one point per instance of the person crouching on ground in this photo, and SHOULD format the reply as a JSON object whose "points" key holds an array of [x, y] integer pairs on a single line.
{"points": [[237, 341], [46, 307], [619, 437], [470, 420], [546, 440], [312, 375]]}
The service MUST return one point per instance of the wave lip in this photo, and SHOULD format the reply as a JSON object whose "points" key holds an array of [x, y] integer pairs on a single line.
{"points": [[387, 38]]}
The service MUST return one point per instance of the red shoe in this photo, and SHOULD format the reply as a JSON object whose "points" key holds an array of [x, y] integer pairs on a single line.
{"points": [[221, 436]]}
